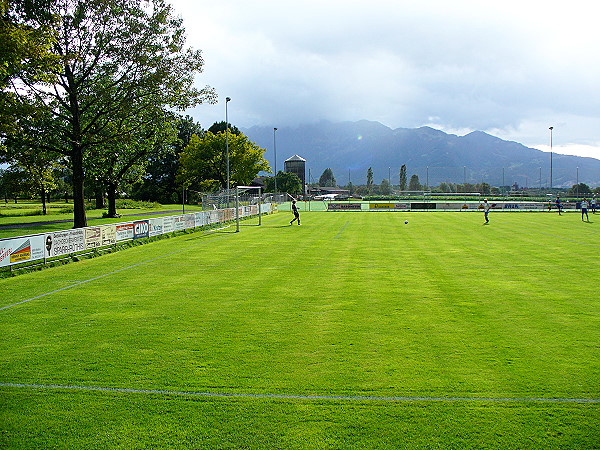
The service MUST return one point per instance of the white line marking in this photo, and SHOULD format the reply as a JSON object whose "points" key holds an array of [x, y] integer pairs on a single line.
{"points": [[304, 397], [341, 231]]}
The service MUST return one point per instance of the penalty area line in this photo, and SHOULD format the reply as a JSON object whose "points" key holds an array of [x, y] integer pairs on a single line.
{"points": [[367, 398]]}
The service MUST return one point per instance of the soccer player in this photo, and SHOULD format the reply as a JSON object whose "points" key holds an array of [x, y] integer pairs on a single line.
{"points": [[584, 209], [486, 210], [296, 213], [593, 204], [559, 205]]}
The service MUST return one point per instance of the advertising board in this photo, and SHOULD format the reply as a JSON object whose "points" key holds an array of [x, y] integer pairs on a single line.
{"points": [[124, 231], [65, 242], [156, 226], [344, 206], [21, 249], [141, 229]]}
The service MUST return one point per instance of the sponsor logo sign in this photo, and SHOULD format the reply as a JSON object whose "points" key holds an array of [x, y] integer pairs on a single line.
{"points": [[156, 226], [93, 237], [109, 234], [124, 231], [189, 220], [344, 206], [168, 224], [21, 249], [141, 229], [389, 205], [178, 223], [65, 242], [200, 219]]}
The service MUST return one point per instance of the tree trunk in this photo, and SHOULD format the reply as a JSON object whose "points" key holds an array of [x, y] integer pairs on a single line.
{"points": [[79, 216], [99, 195], [111, 193], [44, 211]]}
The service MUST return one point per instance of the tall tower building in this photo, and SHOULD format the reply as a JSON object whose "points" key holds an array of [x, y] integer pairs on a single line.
{"points": [[296, 164]]}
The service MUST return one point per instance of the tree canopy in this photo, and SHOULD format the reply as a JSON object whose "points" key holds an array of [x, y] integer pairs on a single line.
{"points": [[203, 163], [403, 177], [327, 179], [286, 182], [414, 184], [122, 65], [26, 54]]}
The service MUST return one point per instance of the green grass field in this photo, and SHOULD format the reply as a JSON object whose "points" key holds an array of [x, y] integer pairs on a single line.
{"points": [[352, 330]]}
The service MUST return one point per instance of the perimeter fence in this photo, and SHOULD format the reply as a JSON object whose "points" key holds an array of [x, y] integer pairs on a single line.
{"points": [[44, 248]]}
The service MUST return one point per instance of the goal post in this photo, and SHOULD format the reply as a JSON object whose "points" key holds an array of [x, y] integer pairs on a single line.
{"points": [[253, 197]]}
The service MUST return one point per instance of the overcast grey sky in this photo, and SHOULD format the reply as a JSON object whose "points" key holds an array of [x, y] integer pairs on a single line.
{"points": [[510, 68]]}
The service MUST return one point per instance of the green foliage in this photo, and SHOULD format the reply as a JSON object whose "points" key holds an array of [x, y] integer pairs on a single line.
{"points": [[125, 203], [203, 162], [580, 189], [403, 177], [159, 183], [122, 66], [385, 188], [26, 55], [414, 184], [370, 180], [286, 182], [221, 127], [327, 179]]}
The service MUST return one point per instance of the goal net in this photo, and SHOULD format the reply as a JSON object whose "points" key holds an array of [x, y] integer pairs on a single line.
{"points": [[248, 202]]}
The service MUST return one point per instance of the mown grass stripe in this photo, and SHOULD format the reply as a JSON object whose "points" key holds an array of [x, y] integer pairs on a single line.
{"points": [[303, 397]]}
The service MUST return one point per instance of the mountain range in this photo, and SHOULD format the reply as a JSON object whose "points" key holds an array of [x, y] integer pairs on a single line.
{"points": [[349, 149]]}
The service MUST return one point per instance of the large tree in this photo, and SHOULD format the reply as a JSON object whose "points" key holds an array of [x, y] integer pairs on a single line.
{"points": [[385, 188], [327, 179], [370, 180], [203, 163], [25, 53], [40, 167], [126, 161], [286, 182], [414, 184], [159, 183], [121, 62], [403, 177]]}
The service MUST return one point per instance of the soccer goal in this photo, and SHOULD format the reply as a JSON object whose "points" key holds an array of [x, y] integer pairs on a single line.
{"points": [[248, 202]]}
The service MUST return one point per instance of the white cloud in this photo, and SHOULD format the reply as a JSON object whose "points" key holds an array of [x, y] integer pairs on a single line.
{"points": [[511, 68]]}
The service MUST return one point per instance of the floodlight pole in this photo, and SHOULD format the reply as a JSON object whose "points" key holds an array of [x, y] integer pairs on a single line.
{"points": [[551, 128], [275, 153], [227, 100]]}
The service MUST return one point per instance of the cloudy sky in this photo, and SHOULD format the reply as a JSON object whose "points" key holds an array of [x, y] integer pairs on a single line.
{"points": [[512, 68]]}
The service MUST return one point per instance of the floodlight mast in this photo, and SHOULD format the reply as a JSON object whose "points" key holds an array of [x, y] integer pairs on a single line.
{"points": [[275, 155], [227, 100], [551, 128]]}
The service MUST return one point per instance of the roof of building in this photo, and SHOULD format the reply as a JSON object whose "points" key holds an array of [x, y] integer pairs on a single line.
{"points": [[295, 158]]}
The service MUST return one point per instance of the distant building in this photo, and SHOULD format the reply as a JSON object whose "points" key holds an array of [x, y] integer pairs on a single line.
{"points": [[297, 165]]}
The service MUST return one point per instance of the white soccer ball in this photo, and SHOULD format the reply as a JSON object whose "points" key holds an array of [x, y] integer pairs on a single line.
{"points": [[406, 222]]}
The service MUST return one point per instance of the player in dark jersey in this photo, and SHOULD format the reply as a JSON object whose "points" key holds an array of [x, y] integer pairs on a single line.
{"points": [[296, 213]]}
